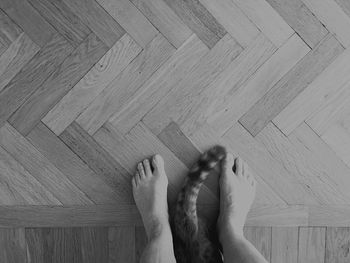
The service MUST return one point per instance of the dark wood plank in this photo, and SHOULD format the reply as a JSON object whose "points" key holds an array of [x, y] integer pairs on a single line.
{"points": [[100, 161], [260, 237], [34, 25], [63, 19], [94, 245], [33, 75], [9, 31], [35, 248], [140, 242], [58, 84], [199, 20], [122, 244], [301, 19], [337, 245], [97, 19], [294, 82], [73, 167], [12, 246]]}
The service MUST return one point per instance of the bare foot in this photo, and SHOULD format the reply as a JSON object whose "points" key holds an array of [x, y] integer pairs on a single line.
{"points": [[237, 192], [150, 194]]}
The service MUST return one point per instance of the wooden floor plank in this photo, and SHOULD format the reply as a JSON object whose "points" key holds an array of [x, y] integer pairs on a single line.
{"points": [[122, 244], [260, 237], [15, 57], [317, 94], [13, 245], [9, 31], [131, 19], [301, 19], [140, 242], [165, 20], [246, 95], [159, 84], [179, 101], [88, 88], [97, 19], [94, 245], [326, 11], [33, 75], [63, 19], [105, 167], [294, 82], [58, 84], [35, 248], [271, 24], [115, 95], [284, 245], [40, 167], [199, 20], [32, 23], [73, 167], [233, 19], [312, 242], [18, 187], [337, 245]]}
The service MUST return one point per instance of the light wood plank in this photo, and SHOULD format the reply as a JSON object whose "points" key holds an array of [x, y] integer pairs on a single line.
{"points": [[139, 144], [333, 17], [165, 20], [121, 244], [13, 245], [199, 20], [9, 31], [58, 84], [294, 82], [73, 167], [312, 242], [63, 19], [337, 245], [88, 88], [18, 187], [107, 169], [301, 19], [94, 244], [115, 95], [34, 25], [334, 215], [238, 102], [284, 245], [33, 75], [97, 19], [233, 19], [267, 20], [260, 237], [180, 100], [345, 5], [131, 19], [233, 76], [159, 84], [40, 168], [316, 95], [15, 57]]}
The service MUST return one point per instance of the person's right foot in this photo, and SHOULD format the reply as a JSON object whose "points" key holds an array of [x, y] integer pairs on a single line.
{"points": [[237, 192]]}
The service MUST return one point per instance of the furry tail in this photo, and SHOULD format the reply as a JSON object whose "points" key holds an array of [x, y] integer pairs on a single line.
{"points": [[185, 220]]}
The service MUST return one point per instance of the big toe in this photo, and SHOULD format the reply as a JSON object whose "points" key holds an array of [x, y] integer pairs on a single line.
{"points": [[228, 163], [158, 163]]}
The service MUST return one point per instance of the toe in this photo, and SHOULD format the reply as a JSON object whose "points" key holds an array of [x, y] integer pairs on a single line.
{"points": [[147, 167], [141, 171], [137, 178], [228, 162], [158, 162], [239, 166]]}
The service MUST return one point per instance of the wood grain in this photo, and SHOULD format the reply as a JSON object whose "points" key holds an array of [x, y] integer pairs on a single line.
{"points": [[9, 31], [92, 84], [294, 82], [115, 96], [284, 245], [94, 244], [121, 244], [58, 84], [312, 242], [13, 245], [337, 245], [260, 237]]}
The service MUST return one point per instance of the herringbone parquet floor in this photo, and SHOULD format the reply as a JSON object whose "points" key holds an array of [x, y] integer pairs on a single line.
{"points": [[89, 88]]}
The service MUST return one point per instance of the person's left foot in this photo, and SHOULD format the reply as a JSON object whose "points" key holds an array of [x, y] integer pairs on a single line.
{"points": [[150, 194]]}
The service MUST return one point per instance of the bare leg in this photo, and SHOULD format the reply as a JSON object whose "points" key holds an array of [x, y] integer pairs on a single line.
{"points": [[150, 194], [237, 192]]}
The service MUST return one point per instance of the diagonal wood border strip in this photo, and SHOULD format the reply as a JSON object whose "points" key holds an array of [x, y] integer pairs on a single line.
{"points": [[128, 215]]}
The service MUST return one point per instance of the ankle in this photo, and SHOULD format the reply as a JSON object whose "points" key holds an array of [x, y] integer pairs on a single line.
{"points": [[229, 230], [156, 227]]}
